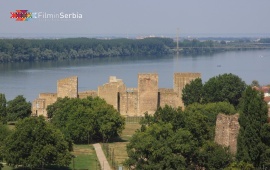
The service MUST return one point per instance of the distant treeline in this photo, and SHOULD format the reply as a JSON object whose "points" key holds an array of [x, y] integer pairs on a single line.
{"points": [[21, 50]]}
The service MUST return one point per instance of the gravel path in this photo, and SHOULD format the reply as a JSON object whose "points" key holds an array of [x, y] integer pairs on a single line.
{"points": [[101, 157]]}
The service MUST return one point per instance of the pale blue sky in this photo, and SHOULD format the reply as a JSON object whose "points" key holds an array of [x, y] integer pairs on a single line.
{"points": [[141, 17]]}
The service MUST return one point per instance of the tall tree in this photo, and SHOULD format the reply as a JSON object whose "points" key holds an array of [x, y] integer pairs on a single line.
{"points": [[18, 108], [3, 111], [225, 87], [85, 119], [192, 93], [251, 146], [35, 143]]}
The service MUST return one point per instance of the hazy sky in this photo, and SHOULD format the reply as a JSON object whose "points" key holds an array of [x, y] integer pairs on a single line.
{"points": [[140, 17]]}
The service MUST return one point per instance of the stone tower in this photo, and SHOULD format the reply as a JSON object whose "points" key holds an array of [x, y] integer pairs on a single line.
{"points": [[181, 79], [147, 93], [67, 87]]}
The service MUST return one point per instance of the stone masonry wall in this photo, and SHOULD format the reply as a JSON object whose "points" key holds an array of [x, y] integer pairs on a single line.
{"points": [[129, 102], [109, 91], [39, 105], [227, 129], [180, 80], [67, 87], [86, 94], [169, 97], [147, 93]]}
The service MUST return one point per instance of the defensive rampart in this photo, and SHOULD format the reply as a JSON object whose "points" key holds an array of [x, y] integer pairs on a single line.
{"points": [[147, 97]]}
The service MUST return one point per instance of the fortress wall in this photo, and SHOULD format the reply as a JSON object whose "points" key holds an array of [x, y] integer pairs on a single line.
{"points": [[38, 108], [109, 91], [68, 87], [129, 102], [180, 80], [147, 93], [40, 105], [227, 129], [50, 98], [168, 97], [86, 94]]}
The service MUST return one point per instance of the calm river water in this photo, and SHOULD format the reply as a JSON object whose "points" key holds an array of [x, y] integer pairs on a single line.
{"points": [[30, 79]]}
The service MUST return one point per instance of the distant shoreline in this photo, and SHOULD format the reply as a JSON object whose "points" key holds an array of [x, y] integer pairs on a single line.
{"points": [[35, 50]]}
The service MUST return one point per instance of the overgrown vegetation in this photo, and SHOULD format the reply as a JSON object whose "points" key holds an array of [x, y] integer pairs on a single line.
{"points": [[173, 139]]}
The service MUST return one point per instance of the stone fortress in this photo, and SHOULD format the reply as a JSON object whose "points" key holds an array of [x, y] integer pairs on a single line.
{"points": [[147, 97]]}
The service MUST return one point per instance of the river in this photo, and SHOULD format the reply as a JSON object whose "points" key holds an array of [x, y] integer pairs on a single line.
{"points": [[30, 79]]}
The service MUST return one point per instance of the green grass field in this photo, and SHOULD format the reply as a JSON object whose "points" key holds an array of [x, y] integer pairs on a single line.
{"points": [[119, 147], [85, 158]]}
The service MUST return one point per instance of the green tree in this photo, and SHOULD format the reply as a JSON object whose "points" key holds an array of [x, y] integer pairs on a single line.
{"points": [[159, 147], [251, 144], [173, 139], [192, 93], [18, 108], [213, 156], [255, 83], [210, 111], [240, 166], [4, 132], [84, 120], [35, 143], [225, 87], [3, 111]]}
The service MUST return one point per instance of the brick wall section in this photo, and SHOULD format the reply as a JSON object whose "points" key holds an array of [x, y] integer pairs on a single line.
{"points": [[227, 129], [147, 93], [169, 97], [180, 80], [109, 91], [67, 87], [129, 102], [86, 94]]}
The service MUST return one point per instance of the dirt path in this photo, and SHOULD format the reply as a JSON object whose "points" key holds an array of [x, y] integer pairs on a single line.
{"points": [[101, 157]]}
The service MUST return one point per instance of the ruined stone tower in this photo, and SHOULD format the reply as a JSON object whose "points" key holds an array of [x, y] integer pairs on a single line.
{"points": [[147, 93], [227, 129]]}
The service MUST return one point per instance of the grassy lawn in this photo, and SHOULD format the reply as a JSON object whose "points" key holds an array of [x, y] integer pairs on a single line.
{"points": [[119, 148], [85, 157]]}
